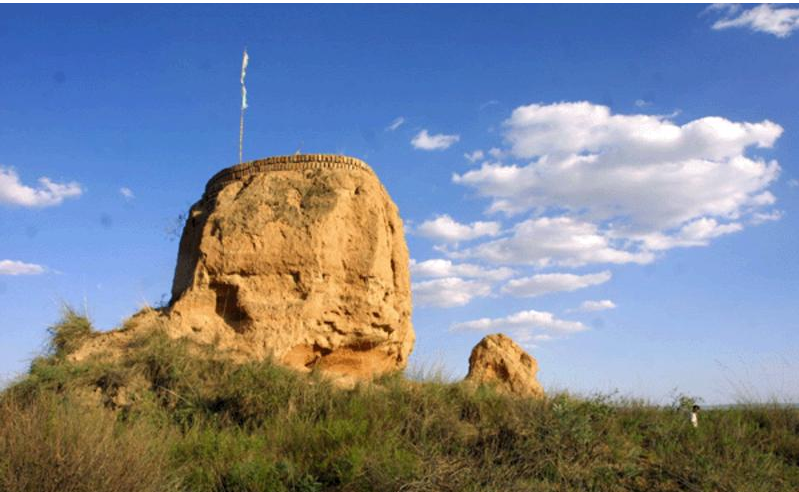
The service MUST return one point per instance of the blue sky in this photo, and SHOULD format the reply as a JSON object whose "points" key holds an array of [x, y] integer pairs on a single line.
{"points": [[613, 186]]}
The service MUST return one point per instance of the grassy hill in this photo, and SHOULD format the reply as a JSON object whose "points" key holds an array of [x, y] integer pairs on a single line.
{"points": [[171, 416]]}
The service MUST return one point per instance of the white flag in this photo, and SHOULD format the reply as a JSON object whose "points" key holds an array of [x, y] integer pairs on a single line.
{"points": [[244, 63]]}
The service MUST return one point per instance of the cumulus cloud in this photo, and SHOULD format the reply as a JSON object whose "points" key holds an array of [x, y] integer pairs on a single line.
{"points": [[696, 233], [598, 188], [548, 241], [448, 292], [627, 184], [395, 124], [474, 156], [445, 229], [127, 193], [779, 21], [48, 193], [440, 141], [523, 324], [590, 306], [548, 283], [12, 267], [438, 268]]}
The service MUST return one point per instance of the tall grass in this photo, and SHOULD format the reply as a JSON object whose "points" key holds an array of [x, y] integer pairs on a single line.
{"points": [[54, 444], [177, 414]]}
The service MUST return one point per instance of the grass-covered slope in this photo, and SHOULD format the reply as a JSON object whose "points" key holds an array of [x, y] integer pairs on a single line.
{"points": [[169, 416]]}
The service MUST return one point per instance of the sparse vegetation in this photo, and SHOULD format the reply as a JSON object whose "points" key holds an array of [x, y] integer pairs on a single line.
{"points": [[170, 416]]}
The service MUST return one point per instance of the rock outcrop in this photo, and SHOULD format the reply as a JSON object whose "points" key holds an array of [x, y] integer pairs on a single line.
{"points": [[299, 258], [499, 361]]}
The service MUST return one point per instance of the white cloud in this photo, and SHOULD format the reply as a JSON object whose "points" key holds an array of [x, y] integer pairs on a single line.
{"points": [[590, 306], [793, 183], [425, 141], [522, 324], [127, 193], [474, 156], [395, 124], [640, 103], [438, 268], [626, 181], [599, 188], [448, 292], [696, 233], [549, 241], [730, 8], [48, 193], [779, 21], [548, 283], [496, 153], [11, 267], [759, 218], [444, 228]]}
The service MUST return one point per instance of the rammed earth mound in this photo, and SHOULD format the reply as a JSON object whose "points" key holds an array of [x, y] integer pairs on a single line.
{"points": [[301, 259]]}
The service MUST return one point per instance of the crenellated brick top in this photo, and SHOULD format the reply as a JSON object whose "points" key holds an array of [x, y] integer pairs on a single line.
{"points": [[299, 162]]}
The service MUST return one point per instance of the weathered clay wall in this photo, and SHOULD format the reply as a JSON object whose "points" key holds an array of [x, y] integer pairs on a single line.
{"points": [[301, 258]]}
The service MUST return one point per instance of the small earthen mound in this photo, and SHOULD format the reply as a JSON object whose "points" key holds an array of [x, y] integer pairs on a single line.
{"points": [[499, 361]]}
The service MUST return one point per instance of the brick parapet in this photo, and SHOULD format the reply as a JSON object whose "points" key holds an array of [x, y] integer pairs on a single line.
{"points": [[299, 162]]}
